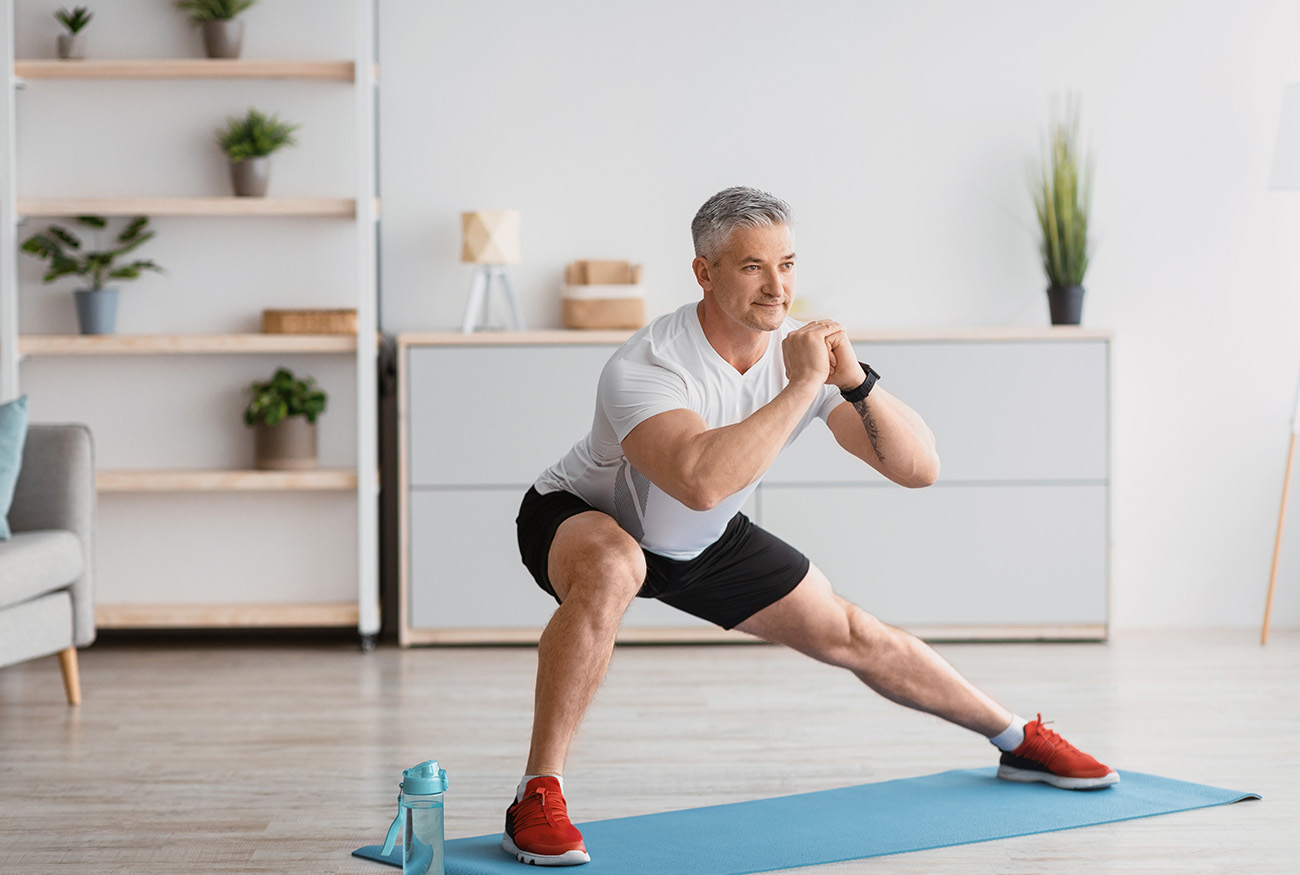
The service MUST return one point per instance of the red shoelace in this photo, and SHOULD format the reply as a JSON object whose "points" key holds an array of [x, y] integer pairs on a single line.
{"points": [[551, 809], [1055, 744]]}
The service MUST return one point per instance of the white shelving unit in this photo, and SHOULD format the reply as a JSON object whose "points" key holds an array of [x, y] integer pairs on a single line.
{"points": [[358, 73]]}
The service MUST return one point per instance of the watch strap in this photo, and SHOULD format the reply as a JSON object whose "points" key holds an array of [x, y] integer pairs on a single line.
{"points": [[855, 395]]}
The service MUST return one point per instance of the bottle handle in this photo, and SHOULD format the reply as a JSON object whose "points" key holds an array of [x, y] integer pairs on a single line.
{"points": [[393, 829]]}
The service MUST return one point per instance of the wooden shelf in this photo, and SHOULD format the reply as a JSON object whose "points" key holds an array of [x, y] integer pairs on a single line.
{"points": [[322, 479], [563, 337], [58, 207], [568, 337], [185, 68], [153, 344], [230, 616]]}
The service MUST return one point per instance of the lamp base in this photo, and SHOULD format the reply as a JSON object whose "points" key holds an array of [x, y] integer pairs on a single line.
{"points": [[480, 293]]}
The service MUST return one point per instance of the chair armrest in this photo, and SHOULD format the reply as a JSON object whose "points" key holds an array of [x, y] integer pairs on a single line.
{"points": [[56, 490]]}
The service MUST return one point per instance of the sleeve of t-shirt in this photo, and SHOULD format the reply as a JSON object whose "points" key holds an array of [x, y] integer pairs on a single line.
{"points": [[631, 392], [830, 399]]}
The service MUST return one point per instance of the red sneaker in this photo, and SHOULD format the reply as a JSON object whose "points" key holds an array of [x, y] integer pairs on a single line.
{"points": [[538, 829], [1045, 756]]}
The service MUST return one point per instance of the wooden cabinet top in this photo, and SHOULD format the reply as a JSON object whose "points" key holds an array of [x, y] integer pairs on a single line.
{"points": [[913, 335]]}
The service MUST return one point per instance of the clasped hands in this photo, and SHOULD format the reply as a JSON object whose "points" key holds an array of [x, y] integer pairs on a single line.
{"points": [[821, 351]]}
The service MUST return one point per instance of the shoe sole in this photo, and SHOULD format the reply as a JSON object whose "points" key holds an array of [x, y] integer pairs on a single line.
{"points": [[568, 858], [1026, 776]]}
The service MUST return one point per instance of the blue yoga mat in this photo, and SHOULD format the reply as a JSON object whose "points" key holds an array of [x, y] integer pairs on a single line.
{"points": [[869, 820]]}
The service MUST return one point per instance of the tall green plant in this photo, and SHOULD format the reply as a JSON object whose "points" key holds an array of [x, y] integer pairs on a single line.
{"points": [[1062, 191], [62, 249], [255, 135], [213, 10]]}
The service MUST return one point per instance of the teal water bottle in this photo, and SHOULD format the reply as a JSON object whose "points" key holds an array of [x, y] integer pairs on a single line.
{"points": [[419, 819]]}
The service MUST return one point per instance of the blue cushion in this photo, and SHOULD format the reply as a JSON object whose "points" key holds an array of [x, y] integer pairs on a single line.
{"points": [[13, 434]]}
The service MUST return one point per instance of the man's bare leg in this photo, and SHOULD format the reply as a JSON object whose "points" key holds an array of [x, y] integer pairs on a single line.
{"points": [[899, 666], [814, 620], [596, 569]]}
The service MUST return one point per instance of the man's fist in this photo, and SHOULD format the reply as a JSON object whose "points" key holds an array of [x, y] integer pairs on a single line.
{"points": [[807, 353], [846, 371]]}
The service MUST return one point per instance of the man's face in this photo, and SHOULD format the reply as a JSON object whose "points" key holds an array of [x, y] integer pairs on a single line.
{"points": [[752, 277]]}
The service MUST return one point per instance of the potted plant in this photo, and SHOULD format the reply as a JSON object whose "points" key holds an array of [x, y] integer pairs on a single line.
{"points": [[1062, 191], [283, 413], [223, 32], [97, 305], [72, 45], [248, 142]]}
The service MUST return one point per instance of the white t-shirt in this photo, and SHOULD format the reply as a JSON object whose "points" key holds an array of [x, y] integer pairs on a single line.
{"points": [[669, 365]]}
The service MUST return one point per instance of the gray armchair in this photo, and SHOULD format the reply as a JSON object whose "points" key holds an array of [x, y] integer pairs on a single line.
{"points": [[47, 603]]}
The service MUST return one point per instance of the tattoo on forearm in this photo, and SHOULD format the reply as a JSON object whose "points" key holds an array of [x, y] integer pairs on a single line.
{"points": [[869, 422]]}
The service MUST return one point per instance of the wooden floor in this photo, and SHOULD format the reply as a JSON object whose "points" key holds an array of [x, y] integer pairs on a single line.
{"points": [[281, 758]]}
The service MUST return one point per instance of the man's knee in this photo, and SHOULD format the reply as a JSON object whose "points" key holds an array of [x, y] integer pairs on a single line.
{"points": [[596, 562], [864, 637]]}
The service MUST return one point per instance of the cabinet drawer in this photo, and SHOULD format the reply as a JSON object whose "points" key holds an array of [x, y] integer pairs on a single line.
{"points": [[497, 415], [466, 572], [958, 555], [465, 567], [1021, 410]]}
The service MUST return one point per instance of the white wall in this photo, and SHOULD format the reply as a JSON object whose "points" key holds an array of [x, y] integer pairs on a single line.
{"points": [[900, 133]]}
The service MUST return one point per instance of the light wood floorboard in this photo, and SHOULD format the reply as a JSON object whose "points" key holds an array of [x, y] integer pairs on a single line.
{"points": [[256, 757]]}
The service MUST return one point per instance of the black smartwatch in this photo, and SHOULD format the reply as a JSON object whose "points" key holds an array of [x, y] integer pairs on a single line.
{"points": [[855, 395]]}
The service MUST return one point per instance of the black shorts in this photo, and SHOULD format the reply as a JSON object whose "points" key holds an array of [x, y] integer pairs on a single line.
{"points": [[735, 577]]}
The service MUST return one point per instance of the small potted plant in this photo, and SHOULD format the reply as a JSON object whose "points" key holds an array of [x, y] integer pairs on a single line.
{"points": [[1062, 191], [72, 45], [248, 142], [223, 32], [97, 305], [283, 413]]}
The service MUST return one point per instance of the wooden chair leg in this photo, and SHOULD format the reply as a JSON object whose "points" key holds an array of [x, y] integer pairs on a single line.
{"points": [[71, 679]]}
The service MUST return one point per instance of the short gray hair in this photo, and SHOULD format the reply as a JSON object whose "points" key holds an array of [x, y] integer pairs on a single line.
{"points": [[732, 208]]}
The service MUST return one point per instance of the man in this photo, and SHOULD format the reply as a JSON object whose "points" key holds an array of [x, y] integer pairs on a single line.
{"points": [[690, 413]]}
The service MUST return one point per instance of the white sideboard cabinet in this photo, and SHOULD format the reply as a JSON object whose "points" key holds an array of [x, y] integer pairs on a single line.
{"points": [[1012, 542]]}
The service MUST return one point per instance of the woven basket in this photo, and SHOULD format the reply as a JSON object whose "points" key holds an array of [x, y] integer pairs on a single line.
{"points": [[309, 321]]}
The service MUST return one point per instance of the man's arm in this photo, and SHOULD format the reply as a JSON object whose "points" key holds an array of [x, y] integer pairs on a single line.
{"points": [[879, 429], [700, 466]]}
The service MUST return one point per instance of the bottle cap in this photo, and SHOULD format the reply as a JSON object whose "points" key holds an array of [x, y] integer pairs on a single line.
{"points": [[426, 779]]}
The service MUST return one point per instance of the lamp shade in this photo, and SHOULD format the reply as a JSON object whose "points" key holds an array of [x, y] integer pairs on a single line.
{"points": [[490, 237], [1286, 156]]}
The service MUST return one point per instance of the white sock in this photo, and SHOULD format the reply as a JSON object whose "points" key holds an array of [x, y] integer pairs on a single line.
{"points": [[519, 794], [1011, 737]]}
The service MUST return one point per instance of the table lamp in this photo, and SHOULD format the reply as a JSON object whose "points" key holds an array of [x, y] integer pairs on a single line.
{"points": [[490, 242]]}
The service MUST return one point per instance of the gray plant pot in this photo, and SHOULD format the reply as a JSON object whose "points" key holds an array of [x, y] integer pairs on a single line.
{"points": [[96, 310], [1065, 303], [289, 445], [72, 46], [223, 39], [250, 176]]}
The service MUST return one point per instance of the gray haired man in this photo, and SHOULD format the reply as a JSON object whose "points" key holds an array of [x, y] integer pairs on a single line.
{"points": [[690, 413]]}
